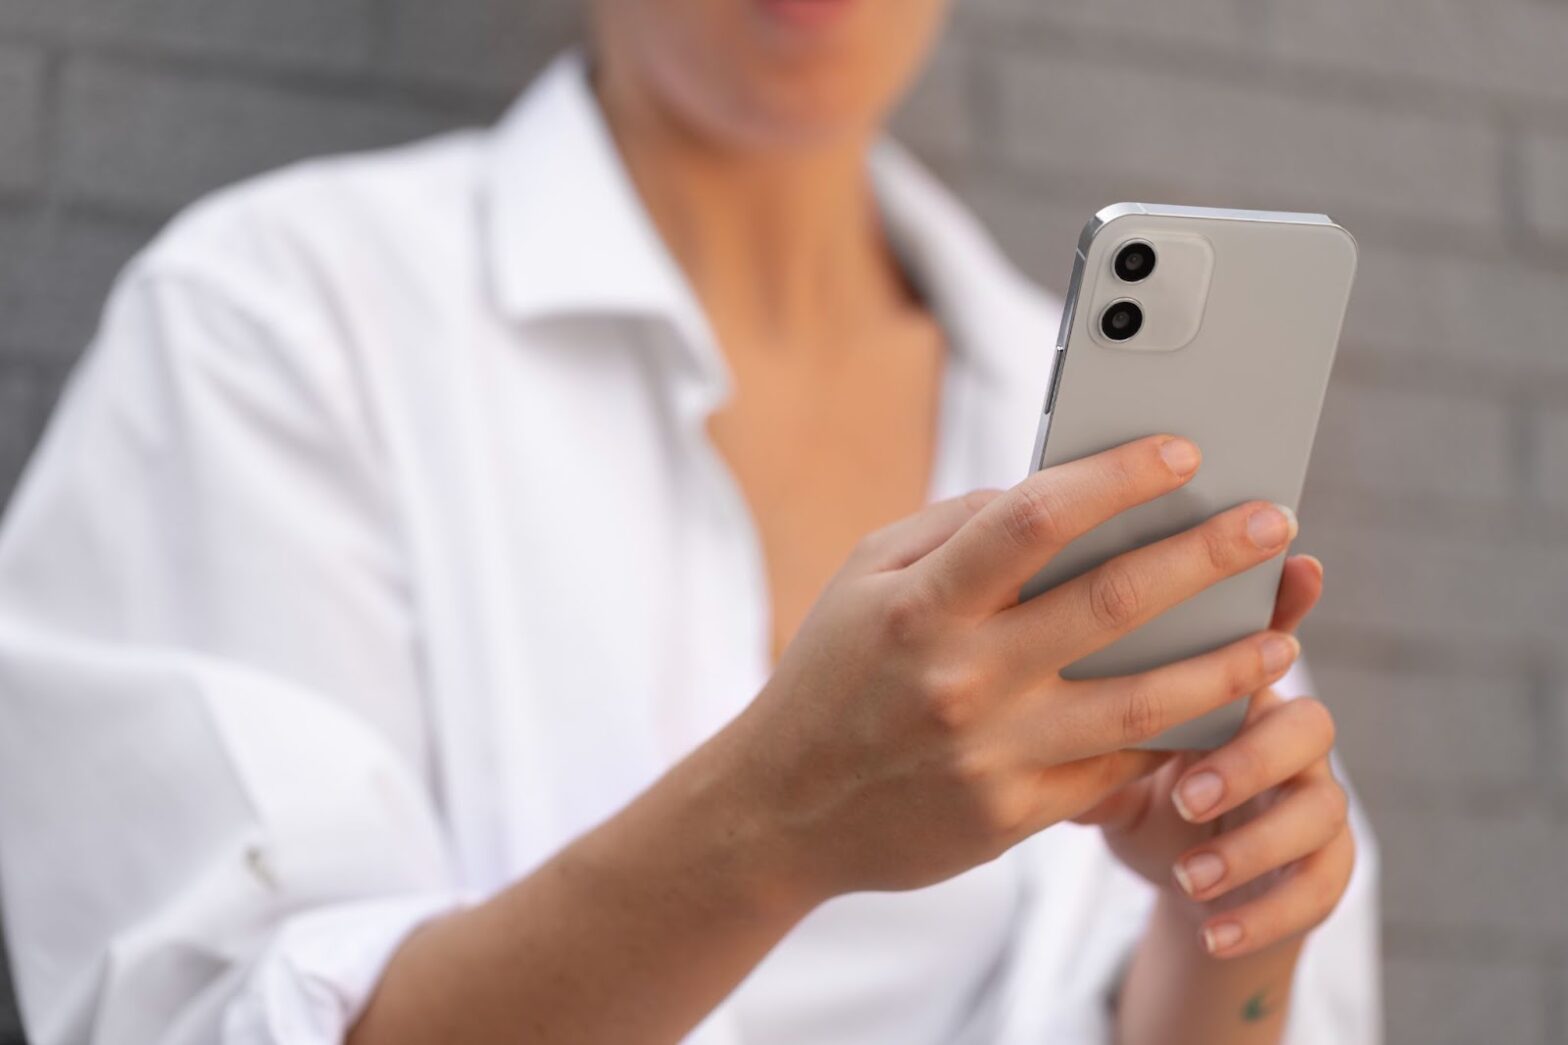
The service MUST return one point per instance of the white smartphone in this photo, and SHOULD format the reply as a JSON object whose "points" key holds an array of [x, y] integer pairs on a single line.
{"points": [[1217, 325]]}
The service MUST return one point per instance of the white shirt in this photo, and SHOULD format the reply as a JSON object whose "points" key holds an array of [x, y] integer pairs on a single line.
{"points": [[378, 549]]}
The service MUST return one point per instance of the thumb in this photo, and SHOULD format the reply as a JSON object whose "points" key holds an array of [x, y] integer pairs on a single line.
{"points": [[1118, 808], [913, 537], [1128, 804]]}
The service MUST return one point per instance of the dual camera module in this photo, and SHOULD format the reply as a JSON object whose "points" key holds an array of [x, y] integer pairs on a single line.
{"points": [[1123, 318]]}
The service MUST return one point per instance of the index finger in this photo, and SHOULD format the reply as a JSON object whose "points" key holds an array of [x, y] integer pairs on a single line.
{"points": [[986, 563]]}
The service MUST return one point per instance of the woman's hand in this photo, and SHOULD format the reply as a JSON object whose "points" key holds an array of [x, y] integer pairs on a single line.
{"points": [[1251, 840], [919, 725]]}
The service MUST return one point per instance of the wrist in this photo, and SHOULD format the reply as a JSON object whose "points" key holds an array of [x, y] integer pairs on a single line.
{"points": [[738, 800], [707, 834], [1176, 993]]}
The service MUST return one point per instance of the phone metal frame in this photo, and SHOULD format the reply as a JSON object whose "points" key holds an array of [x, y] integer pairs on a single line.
{"points": [[1103, 217]]}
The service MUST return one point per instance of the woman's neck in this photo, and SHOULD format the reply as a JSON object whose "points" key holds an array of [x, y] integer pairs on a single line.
{"points": [[785, 248]]}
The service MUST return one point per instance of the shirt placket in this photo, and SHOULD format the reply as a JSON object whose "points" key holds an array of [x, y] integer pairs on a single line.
{"points": [[728, 633]]}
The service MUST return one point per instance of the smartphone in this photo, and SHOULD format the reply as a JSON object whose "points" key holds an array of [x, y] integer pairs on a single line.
{"points": [[1217, 325]]}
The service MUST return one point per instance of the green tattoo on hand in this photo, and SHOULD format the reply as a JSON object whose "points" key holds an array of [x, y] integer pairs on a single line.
{"points": [[1257, 1007]]}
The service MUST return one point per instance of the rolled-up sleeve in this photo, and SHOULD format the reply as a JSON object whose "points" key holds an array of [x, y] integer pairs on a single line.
{"points": [[216, 818]]}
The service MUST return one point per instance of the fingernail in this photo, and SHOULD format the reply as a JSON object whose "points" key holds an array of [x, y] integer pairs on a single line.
{"points": [[1221, 936], [1272, 526], [1180, 456], [1279, 652], [1197, 794], [1198, 872]]}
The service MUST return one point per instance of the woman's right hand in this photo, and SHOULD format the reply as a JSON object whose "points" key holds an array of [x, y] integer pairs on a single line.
{"points": [[918, 724]]}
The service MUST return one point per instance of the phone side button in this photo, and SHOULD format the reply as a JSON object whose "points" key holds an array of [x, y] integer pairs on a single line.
{"points": [[1056, 378]]}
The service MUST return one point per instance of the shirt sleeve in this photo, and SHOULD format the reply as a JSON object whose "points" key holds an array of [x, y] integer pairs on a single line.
{"points": [[216, 819], [1085, 914]]}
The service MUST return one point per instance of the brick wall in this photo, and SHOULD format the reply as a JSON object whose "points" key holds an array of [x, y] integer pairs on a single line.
{"points": [[1436, 129]]}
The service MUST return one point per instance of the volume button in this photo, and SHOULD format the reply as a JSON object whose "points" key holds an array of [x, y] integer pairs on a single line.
{"points": [[1057, 366]]}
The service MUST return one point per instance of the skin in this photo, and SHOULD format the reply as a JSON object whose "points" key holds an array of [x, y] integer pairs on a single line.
{"points": [[916, 723], [747, 143]]}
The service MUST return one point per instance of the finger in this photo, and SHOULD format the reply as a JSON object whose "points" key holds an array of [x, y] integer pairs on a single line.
{"points": [[983, 566], [1072, 790], [1306, 819], [911, 538], [1099, 715], [1096, 608], [1299, 903], [1261, 703], [1278, 746], [1128, 805], [1300, 586]]}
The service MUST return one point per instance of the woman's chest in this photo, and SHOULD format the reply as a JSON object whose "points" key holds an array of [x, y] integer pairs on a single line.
{"points": [[594, 599], [826, 448], [596, 584]]}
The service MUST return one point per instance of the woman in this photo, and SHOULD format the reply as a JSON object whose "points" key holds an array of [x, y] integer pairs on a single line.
{"points": [[404, 629]]}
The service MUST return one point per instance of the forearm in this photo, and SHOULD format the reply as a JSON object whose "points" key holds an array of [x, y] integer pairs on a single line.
{"points": [[1176, 994], [631, 934]]}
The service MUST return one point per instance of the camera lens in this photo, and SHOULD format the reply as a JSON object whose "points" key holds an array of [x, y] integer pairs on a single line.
{"points": [[1134, 262], [1121, 320]]}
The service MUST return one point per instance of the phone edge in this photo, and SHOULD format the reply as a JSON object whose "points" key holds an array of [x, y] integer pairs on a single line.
{"points": [[1093, 227]]}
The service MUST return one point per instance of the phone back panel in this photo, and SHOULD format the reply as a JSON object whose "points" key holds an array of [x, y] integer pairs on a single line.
{"points": [[1246, 384]]}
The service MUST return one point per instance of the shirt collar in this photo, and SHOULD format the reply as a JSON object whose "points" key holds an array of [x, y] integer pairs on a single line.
{"points": [[568, 235], [994, 317]]}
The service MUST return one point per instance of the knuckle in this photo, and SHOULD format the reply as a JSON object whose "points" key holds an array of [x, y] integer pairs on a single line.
{"points": [[1129, 474], [1032, 518], [975, 500], [1114, 599], [869, 546], [997, 813], [1103, 778], [1318, 718], [1218, 549], [971, 772], [1005, 817], [1247, 765], [1323, 893], [951, 698], [905, 613], [1141, 715], [1241, 675], [1335, 804]]}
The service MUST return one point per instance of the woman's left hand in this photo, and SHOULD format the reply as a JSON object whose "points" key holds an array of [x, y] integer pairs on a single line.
{"points": [[1253, 838]]}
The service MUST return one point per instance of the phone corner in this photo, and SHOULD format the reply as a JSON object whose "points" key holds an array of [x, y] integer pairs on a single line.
{"points": [[1105, 216], [1345, 235]]}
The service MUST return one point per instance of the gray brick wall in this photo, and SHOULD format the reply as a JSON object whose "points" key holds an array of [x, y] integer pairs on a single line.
{"points": [[21, 88], [1436, 129]]}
